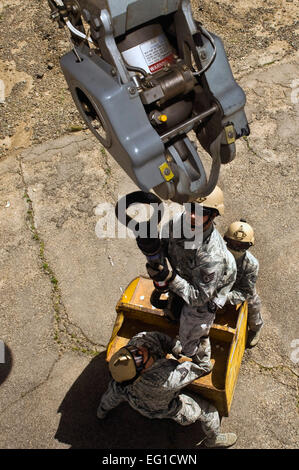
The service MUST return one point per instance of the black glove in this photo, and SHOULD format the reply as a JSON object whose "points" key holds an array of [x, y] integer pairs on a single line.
{"points": [[158, 272], [161, 275], [212, 307]]}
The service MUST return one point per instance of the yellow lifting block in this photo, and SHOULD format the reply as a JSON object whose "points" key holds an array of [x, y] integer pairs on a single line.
{"points": [[228, 335]]}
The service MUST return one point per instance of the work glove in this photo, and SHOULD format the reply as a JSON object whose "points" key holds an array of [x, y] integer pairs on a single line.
{"points": [[212, 307], [161, 274], [177, 349], [158, 273]]}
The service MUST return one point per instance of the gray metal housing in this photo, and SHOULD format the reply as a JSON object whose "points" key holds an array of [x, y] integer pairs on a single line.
{"points": [[120, 102], [127, 14], [130, 138]]}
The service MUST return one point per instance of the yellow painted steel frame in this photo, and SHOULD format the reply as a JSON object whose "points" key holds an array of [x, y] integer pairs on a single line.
{"points": [[228, 338], [236, 354]]}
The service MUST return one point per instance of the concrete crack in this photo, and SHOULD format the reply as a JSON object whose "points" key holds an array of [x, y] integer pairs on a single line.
{"points": [[281, 367], [246, 139], [240, 75], [67, 335], [64, 145], [23, 395], [278, 366]]}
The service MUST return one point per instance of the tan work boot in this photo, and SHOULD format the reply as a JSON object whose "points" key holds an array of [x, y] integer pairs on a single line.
{"points": [[222, 440], [253, 338]]}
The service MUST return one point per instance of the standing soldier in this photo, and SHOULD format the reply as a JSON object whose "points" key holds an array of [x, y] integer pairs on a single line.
{"points": [[152, 385], [239, 238], [200, 275]]}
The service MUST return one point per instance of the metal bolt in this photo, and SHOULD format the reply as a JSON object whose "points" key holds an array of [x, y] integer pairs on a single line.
{"points": [[96, 22], [132, 90], [167, 171], [86, 15], [203, 55]]}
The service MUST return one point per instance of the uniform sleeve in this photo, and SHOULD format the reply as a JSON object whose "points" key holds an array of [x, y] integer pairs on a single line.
{"points": [[113, 396], [154, 340], [204, 287], [183, 375], [246, 289], [235, 297]]}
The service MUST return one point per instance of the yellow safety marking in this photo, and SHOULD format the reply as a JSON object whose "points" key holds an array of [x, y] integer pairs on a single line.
{"points": [[166, 171], [230, 134], [162, 118]]}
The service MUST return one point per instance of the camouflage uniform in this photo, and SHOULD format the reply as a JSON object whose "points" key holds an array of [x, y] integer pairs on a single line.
{"points": [[156, 392], [204, 276], [244, 289]]}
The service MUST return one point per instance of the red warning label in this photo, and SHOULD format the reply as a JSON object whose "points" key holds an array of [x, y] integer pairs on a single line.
{"points": [[151, 55], [157, 52], [161, 63]]}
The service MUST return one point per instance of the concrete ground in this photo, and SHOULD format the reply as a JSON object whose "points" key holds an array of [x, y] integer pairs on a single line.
{"points": [[60, 282]]}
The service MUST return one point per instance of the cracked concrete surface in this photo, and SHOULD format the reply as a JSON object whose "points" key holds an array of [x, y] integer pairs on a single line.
{"points": [[60, 283]]}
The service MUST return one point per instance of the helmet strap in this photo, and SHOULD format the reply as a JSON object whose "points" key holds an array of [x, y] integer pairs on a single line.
{"points": [[210, 220], [144, 364]]}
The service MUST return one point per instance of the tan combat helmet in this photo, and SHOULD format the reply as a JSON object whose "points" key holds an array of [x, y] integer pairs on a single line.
{"points": [[214, 200], [126, 364], [239, 235]]}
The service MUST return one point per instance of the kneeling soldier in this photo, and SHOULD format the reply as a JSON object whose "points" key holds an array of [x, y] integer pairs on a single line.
{"points": [[151, 384]]}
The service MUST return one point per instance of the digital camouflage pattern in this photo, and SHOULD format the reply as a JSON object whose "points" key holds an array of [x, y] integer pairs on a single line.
{"points": [[205, 273], [245, 289], [156, 393]]}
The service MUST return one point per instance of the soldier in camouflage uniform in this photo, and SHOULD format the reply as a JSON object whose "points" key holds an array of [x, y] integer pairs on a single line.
{"points": [[202, 275], [239, 237], [152, 385]]}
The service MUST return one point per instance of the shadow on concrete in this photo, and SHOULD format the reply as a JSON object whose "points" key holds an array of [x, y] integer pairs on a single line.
{"points": [[6, 365], [123, 428]]}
